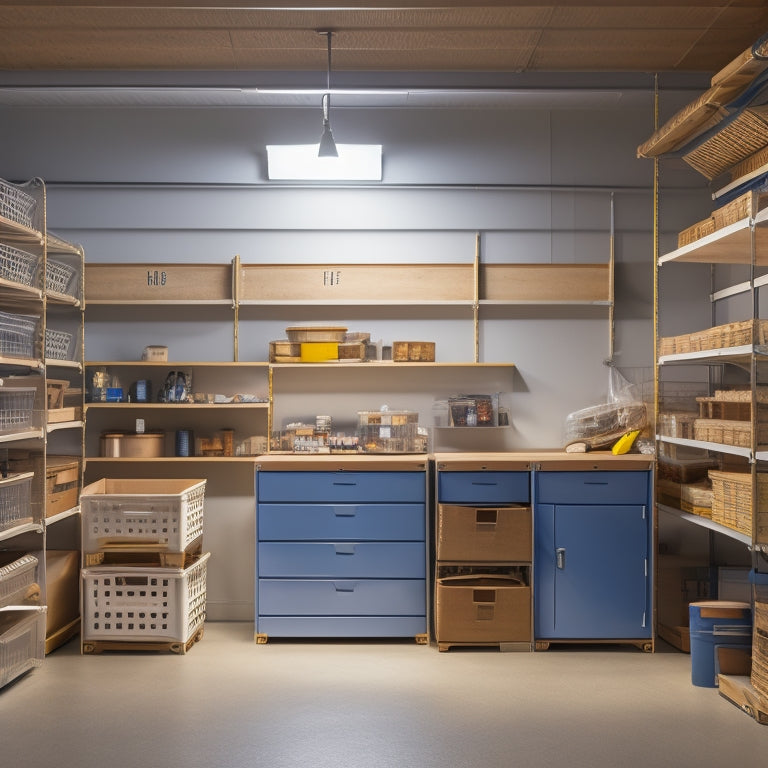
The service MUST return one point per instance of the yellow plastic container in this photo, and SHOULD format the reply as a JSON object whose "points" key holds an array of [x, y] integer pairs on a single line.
{"points": [[319, 351]]}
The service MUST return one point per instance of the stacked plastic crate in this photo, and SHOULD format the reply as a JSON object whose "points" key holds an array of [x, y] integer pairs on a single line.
{"points": [[144, 570]]}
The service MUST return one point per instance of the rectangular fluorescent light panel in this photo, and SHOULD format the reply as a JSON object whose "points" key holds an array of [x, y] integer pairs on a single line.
{"points": [[299, 162]]}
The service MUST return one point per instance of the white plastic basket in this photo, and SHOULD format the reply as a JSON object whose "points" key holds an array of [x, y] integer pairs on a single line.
{"points": [[16, 407], [60, 277], [15, 495], [58, 344], [144, 604], [16, 578], [17, 335], [155, 515], [16, 205], [22, 642], [18, 266]]}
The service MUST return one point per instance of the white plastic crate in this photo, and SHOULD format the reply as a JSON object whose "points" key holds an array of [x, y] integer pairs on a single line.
{"points": [[16, 406], [16, 579], [15, 496], [136, 603], [17, 335], [133, 514], [22, 642]]}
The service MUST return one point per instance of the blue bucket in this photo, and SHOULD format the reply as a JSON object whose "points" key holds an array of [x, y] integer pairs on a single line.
{"points": [[715, 626]]}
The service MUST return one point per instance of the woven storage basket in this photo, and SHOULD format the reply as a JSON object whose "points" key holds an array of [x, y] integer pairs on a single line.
{"points": [[741, 207], [742, 137], [732, 498], [696, 232], [752, 163]]}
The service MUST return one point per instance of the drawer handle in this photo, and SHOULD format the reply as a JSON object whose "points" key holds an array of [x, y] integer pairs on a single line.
{"points": [[341, 482], [345, 511], [560, 555], [344, 586], [595, 482], [480, 482], [344, 549]]}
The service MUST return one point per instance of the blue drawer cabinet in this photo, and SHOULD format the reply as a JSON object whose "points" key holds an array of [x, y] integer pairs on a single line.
{"points": [[593, 556], [341, 554]]}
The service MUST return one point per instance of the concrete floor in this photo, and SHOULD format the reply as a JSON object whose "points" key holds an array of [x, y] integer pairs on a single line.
{"points": [[327, 704]]}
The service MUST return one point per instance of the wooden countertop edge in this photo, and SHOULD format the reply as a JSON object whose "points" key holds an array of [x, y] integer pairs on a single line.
{"points": [[459, 462]]}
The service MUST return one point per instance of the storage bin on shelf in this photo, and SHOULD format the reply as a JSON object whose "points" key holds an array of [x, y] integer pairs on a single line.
{"points": [[16, 408], [732, 500], [16, 205], [60, 277], [390, 432], [142, 515], [18, 266], [22, 642], [15, 500], [58, 344], [759, 673], [18, 334], [18, 579], [144, 604]]}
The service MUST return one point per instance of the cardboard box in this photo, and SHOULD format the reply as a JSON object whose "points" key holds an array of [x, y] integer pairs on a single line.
{"points": [[484, 534], [62, 585], [482, 608]]}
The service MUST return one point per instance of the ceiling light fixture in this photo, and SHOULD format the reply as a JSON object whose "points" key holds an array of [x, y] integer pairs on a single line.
{"points": [[327, 147], [325, 161]]}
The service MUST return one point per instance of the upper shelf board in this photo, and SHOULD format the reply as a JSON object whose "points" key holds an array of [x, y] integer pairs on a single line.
{"points": [[729, 245]]}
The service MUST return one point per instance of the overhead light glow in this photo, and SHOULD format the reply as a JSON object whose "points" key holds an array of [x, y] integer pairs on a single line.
{"points": [[300, 162]]}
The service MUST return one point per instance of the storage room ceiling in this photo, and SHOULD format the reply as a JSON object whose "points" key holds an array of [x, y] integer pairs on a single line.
{"points": [[398, 36]]}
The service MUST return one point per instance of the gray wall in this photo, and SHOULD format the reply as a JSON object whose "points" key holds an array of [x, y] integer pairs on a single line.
{"points": [[189, 184]]}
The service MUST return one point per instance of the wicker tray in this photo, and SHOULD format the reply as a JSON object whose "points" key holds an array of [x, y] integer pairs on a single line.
{"points": [[696, 232], [719, 337], [742, 207], [728, 432]]}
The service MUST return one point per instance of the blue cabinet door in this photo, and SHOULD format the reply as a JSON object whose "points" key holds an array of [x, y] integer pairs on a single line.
{"points": [[591, 571]]}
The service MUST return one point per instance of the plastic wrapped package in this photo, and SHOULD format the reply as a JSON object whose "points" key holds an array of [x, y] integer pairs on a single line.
{"points": [[602, 425]]}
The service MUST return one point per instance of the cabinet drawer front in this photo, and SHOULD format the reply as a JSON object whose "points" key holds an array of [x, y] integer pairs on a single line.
{"points": [[342, 486], [324, 597], [483, 487], [372, 560], [342, 522], [341, 626], [592, 487]]}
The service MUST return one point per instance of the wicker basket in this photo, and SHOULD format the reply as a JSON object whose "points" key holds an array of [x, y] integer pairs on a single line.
{"points": [[60, 277], [732, 499], [58, 344], [741, 207], [751, 164], [696, 498], [739, 139]]}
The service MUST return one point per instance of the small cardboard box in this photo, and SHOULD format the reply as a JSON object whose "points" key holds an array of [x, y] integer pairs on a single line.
{"points": [[484, 534], [482, 608]]}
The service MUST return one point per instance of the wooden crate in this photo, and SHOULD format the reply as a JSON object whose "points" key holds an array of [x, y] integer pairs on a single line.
{"points": [[63, 483], [716, 408], [413, 351]]}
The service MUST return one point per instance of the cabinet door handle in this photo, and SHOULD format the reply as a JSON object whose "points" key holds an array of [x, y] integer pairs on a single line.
{"points": [[560, 557]]}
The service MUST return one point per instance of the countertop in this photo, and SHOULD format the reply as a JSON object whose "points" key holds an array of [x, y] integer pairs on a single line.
{"points": [[459, 461]]}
